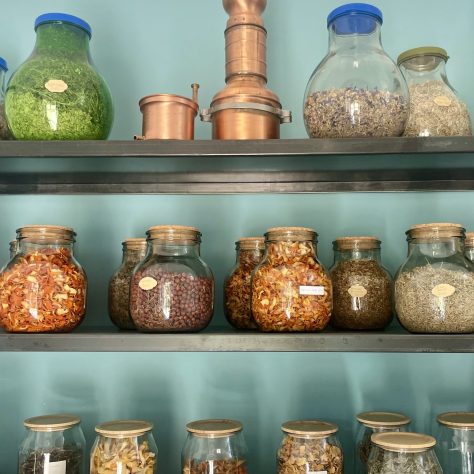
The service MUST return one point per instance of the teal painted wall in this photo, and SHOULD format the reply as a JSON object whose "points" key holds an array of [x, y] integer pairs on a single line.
{"points": [[163, 46]]}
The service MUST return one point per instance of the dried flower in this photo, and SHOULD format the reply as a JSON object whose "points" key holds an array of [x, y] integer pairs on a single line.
{"points": [[217, 466]]}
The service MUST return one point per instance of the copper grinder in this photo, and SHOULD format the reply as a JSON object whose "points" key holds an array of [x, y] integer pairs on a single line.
{"points": [[245, 109]]}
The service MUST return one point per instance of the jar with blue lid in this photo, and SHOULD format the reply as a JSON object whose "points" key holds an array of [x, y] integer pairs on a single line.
{"points": [[356, 90]]}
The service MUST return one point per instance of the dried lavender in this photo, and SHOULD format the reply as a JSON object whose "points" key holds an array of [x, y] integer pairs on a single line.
{"points": [[384, 462]]}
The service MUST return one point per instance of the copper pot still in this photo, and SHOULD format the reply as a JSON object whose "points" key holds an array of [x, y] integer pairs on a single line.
{"points": [[245, 109], [168, 116]]}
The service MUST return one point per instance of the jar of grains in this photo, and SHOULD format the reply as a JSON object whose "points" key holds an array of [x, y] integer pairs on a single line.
{"points": [[134, 251], [370, 423], [237, 286], [403, 453], [43, 288], [214, 446], [124, 446], [435, 109], [172, 289], [455, 446], [469, 246], [362, 288], [434, 288], [291, 290], [309, 447], [356, 90], [52, 444]]}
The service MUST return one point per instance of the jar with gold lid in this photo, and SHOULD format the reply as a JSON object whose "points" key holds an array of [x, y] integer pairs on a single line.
{"points": [[469, 246]]}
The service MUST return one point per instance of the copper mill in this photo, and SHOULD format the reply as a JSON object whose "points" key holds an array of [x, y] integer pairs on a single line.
{"points": [[245, 109]]}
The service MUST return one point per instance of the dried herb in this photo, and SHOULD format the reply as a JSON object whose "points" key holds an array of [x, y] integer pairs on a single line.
{"points": [[42, 461], [217, 466], [385, 462], [5, 133]]}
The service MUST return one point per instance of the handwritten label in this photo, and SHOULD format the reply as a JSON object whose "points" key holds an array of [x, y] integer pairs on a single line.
{"points": [[312, 290], [442, 101], [357, 291], [56, 85], [147, 283], [58, 467], [443, 290]]}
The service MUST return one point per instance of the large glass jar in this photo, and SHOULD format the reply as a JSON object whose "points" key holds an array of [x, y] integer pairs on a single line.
{"points": [[356, 90], [53, 444], [435, 109], [455, 446], [434, 287], [309, 446], [214, 447], [5, 133], [291, 290], [237, 285], [134, 251], [403, 453], [57, 93], [370, 423], [124, 446], [362, 287], [172, 289], [469, 246], [43, 288]]}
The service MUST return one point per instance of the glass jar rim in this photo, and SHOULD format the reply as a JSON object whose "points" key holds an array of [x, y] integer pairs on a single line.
{"points": [[357, 243], [457, 419], [310, 428], [435, 231], [214, 427], [124, 428], [378, 419], [138, 243], [397, 441], [250, 243], [57, 422], [290, 234], [46, 234], [174, 234]]}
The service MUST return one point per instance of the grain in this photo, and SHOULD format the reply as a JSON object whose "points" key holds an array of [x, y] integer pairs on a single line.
{"points": [[407, 463]]}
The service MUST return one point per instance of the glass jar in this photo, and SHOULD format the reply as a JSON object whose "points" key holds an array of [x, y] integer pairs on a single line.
{"points": [[362, 287], [43, 288], [403, 453], [172, 289], [124, 446], [13, 248], [237, 285], [291, 290], [356, 90], [134, 251], [4, 130], [53, 444], [370, 423], [57, 93], [435, 109], [309, 446], [434, 288], [469, 246], [214, 447], [455, 446]]}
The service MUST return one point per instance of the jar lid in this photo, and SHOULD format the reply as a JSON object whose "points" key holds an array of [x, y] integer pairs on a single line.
{"points": [[3, 64], [167, 98], [174, 233], [46, 233], [356, 25], [382, 418], [315, 428], [457, 419], [469, 241], [251, 243], [52, 422], [290, 233], [135, 243], [214, 427], [356, 243], [124, 428], [435, 230], [422, 51], [63, 18], [401, 441]]}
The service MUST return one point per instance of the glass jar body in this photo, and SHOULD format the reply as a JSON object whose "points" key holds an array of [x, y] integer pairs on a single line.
{"points": [[5, 133], [455, 449]]}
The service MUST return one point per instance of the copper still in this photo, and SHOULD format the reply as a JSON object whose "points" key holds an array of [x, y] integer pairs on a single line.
{"points": [[245, 109]]}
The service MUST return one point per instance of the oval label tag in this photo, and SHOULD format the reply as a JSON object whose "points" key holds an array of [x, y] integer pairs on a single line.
{"points": [[443, 290], [56, 85], [147, 283], [357, 291], [442, 101]]}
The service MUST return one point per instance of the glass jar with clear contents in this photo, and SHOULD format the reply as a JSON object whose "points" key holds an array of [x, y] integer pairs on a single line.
{"points": [[370, 423], [435, 109], [434, 287], [237, 285], [356, 90], [469, 246], [399, 453], [309, 446], [214, 447]]}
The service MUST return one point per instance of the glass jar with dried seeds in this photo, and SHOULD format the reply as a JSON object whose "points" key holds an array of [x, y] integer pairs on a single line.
{"points": [[237, 287], [362, 288], [469, 246]]}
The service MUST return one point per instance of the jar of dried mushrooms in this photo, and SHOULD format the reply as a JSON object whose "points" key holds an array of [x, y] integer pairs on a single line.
{"points": [[362, 287], [309, 446], [434, 288], [469, 246], [291, 290]]}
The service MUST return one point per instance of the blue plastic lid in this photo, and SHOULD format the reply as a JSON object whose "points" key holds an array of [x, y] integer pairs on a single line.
{"points": [[3, 64], [65, 18], [355, 18]]}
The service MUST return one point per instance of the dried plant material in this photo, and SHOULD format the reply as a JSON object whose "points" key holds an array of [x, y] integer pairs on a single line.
{"points": [[218, 466], [352, 112], [387, 462], [44, 461], [5, 133], [435, 299], [436, 112]]}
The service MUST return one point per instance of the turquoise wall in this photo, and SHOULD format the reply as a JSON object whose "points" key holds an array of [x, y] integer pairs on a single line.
{"points": [[163, 46]]}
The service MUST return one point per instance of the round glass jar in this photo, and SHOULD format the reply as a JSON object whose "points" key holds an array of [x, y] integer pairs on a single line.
{"points": [[214, 446], [291, 290], [469, 246], [172, 289], [435, 109], [455, 446], [398, 453], [434, 287], [134, 251], [356, 90], [309, 446], [43, 288], [362, 287], [5, 133], [124, 446], [370, 423], [57, 93], [237, 285], [52, 444]]}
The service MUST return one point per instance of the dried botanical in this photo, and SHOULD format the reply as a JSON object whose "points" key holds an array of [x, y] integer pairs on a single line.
{"points": [[5, 133], [43, 461], [218, 466], [384, 462]]}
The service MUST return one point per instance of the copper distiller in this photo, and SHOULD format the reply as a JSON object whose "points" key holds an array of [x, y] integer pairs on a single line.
{"points": [[245, 109]]}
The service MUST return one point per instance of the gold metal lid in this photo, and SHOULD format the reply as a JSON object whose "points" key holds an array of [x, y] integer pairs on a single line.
{"points": [[315, 428], [290, 233], [356, 243], [469, 241], [124, 428], [45, 234], [422, 51], [436, 230], [251, 243], [135, 243], [457, 419], [382, 418], [174, 233], [401, 441], [214, 428], [58, 422]]}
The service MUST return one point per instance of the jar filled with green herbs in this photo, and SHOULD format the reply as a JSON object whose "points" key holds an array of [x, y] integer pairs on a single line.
{"points": [[57, 93]]}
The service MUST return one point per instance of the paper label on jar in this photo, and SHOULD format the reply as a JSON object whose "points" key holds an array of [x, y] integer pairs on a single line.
{"points": [[443, 290], [318, 472], [58, 467], [442, 101], [312, 290], [56, 85], [147, 283], [357, 291]]}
